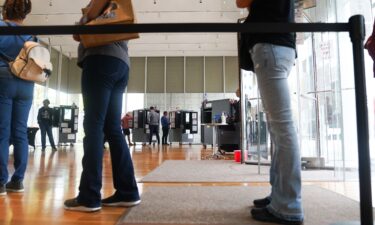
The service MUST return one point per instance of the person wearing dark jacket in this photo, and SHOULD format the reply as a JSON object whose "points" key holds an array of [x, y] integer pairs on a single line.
{"points": [[45, 115], [272, 59], [165, 127]]}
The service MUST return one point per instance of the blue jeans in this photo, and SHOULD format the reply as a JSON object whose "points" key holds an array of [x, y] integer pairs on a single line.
{"points": [[104, 79], [165, 135], [46, 128], [272, 66], [16, 97]]}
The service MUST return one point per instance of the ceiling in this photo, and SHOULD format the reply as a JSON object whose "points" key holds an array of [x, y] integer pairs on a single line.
{"points": [[67, 12]]}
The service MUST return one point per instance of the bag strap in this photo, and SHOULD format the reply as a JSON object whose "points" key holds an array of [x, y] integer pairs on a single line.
{"points": [[7, 58]]}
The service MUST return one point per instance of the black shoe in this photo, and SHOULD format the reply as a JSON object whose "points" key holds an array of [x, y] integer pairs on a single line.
{"points": [[261, 203], [54, 149], [3, 190], [262, 214], [114, 201], [74, 205], [14, 186]]}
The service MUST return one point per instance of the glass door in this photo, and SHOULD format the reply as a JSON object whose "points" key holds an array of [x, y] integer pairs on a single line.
{"points": [[317, 84]]}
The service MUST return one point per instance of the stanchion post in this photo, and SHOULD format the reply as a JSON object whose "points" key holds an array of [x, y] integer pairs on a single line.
{"points": [[357, 36]]}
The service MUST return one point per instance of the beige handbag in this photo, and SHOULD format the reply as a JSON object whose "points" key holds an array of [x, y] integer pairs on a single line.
{"points": [[32, 63], [117, 12]]}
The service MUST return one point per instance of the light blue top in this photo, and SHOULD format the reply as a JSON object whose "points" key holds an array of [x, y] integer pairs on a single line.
{"points": [[11, 45]]}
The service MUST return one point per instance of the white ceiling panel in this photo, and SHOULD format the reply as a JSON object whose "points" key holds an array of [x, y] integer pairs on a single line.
{"points": [[67, 12]]}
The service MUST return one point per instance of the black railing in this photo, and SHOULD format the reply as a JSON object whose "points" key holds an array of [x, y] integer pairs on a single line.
{"points": [[355, 27], [178, 28]]}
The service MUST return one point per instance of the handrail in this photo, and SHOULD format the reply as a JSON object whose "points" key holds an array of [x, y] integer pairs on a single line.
{"points": [[355, 27]]}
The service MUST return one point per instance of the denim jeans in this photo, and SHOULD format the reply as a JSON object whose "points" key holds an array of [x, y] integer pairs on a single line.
{"points": [[165, 135], [104, 79], [16, 97], [46, 128], [272, 66]]}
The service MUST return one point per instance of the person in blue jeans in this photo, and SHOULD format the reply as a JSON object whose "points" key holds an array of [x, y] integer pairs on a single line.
{"points": [[272, 58], [16, 97], [105, 73], [165, 127], [45, 118], [153, 122]]}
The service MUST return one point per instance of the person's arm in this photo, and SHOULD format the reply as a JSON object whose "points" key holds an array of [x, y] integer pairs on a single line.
{"points": [[244, 3], [39, 116], [94, 9], [50, 117]]}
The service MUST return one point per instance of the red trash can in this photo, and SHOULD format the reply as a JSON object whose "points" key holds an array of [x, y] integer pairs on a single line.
{"points": [[237, 155]]}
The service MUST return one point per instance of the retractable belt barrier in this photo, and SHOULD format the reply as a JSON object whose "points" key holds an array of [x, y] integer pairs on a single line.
{"points": [[177, 28], [355, 27]]}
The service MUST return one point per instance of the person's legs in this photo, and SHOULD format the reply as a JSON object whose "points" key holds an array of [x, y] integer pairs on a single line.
{"points": [[50, 136], [129, 141], [151, 133], [97, 84], [157, 133], [126, 132], [165, 135], [21, 108], [7, 91], [43, 132], [272, 67], [129, 137], [122, 166]]}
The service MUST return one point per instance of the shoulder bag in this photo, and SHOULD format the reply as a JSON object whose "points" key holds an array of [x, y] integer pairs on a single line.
{"points": [[32, 63], [116, 12]]}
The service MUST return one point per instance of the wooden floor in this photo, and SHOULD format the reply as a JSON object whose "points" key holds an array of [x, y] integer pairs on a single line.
{"points": [[52, 177]]}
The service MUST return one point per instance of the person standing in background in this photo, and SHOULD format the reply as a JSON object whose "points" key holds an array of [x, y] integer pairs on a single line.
{"points": [[125, 123], [272, 58], [153, 122], [236, 105], [45, 118], [16, 96], [165, 127], [105, 74]]}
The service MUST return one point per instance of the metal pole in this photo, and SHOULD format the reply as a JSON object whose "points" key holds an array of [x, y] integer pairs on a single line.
{"points": [[357, 35]]}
